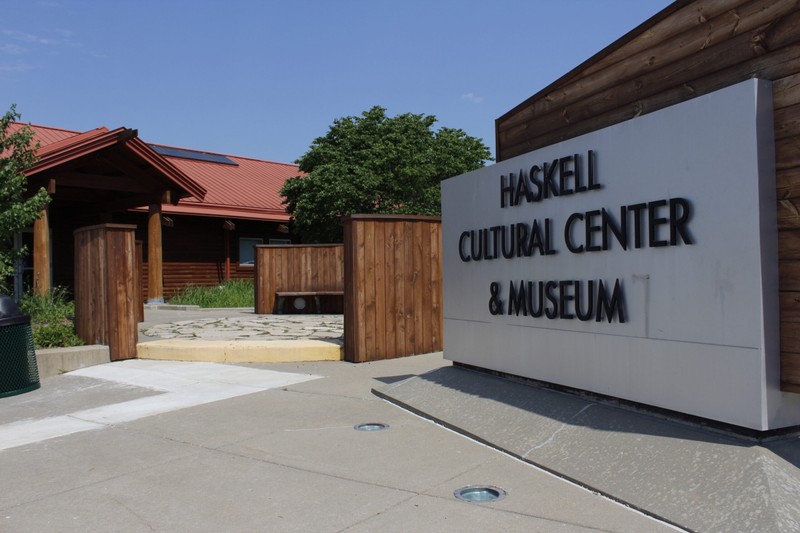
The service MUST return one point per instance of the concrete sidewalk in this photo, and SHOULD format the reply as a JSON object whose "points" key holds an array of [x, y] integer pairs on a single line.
{"points": [[163, 446]]}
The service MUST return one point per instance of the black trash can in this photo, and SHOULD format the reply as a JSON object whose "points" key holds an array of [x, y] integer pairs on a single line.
{"points": [[18, 370]]}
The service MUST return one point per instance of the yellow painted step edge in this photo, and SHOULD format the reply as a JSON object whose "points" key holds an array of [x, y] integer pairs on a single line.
{"points": [[240, 351]]}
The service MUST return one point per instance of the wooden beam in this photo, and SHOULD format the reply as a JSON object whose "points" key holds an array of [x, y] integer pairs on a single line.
{"points": [[116, 158], [41, 254], [138, 200], [87, 180], [155, 265]]}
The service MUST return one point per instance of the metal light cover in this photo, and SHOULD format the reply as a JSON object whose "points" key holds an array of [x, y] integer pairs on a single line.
{"points": [[479, 494], [371, 426]]}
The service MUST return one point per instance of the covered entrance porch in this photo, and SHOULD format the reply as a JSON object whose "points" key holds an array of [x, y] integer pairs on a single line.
{"points": [[93, 177]]}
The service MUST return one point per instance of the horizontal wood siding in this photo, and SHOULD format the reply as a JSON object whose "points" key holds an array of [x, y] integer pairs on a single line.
{"points": [[695, 49], [105, 285], [393, 289], [177, 276], [298, 268], [194, 249]]}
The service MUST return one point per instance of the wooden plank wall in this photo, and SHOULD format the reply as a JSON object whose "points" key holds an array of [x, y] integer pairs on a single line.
{"points": [[692, 48], [393, 289], [105, 287], [298, 267]]}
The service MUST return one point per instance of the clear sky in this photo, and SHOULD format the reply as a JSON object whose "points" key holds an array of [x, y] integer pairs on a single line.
{"points": [[264, 78]]}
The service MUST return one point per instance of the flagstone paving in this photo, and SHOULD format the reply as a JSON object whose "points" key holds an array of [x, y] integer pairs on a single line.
{"points": [[251, 327]]}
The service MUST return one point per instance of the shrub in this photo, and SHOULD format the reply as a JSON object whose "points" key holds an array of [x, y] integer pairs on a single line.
{"points": [[233, 293], [51, 319]]}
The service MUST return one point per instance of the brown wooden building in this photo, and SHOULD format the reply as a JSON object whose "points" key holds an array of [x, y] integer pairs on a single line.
{"points": [[691, 48], [198, 214]]}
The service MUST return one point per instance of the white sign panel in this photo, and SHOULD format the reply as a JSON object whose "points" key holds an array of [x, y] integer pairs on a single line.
{"points": [[638, 261]]}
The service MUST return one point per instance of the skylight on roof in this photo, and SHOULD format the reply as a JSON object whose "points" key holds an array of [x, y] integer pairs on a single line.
{"points": [[193, 154]]}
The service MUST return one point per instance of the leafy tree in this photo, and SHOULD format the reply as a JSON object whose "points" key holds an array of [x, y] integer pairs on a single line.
{"points": [[17, 154], [376, 164]]}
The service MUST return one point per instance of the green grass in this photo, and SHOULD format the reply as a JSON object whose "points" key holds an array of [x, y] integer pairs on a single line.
{"points": [[51, 319], [233, 293]]}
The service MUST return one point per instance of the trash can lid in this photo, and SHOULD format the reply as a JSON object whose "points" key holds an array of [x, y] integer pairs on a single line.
{"points": [[10, 315], [8, 307]]}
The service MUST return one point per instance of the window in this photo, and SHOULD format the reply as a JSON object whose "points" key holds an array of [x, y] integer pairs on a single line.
{"points": [[247, 254], [280, 241]]}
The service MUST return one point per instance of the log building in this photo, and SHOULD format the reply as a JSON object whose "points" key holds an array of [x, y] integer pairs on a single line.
{"points": [[198, 214]]}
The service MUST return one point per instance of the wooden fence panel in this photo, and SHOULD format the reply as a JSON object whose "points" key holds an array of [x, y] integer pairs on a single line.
{"points": [[106, 287], [692, 49], [298, 268], [393, 291]]}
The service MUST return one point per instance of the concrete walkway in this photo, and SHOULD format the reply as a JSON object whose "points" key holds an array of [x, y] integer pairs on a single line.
{"points": [[196, 445], [165, 446]]}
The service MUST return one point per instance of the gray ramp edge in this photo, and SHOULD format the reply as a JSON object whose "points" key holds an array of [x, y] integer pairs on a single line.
{"points": [[687, 476]]}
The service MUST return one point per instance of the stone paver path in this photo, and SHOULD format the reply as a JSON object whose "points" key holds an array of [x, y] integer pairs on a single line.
{"points": [[253, 327]]}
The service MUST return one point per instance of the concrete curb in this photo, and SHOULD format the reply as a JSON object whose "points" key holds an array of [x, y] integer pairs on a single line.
{"points": [[240, 351], [170, 307], [54, 361]]}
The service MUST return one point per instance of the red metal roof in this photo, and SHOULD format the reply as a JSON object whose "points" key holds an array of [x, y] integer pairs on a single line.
{"points": [[45, 134], [67, 148], [248, 190]]}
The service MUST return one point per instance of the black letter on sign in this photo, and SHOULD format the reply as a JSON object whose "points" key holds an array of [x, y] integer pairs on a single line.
{"points": [[495, 303], [677, 223], [516, 298], [463, 257], [549, 292], [616, 306], [507, 189], [568, 233], [654, 221]]}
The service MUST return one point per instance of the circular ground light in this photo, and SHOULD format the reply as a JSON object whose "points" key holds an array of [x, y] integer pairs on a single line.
{"points": [[371, 426], [480, 494]]}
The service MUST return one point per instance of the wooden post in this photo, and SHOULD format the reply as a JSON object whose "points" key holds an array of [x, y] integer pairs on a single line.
{"points": [[227, 255], [228, 226], [137, 281], [41, 254], [155, 286]]}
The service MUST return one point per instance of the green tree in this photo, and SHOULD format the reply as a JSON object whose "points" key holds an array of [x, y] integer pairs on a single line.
{"points": [[376, 164], [17, 154]]}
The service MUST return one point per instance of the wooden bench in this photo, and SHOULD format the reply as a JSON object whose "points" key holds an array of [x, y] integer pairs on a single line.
{"points": [[282, 295]]}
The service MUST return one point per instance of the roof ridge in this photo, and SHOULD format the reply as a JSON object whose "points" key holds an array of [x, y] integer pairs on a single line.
{"points": [[265, 160]]}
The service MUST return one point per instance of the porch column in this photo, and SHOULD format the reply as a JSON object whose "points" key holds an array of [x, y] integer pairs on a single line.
{"points": [[155, 286], [41, 254]]}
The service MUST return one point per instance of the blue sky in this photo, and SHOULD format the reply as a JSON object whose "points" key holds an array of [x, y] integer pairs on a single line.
{"points": [[263, 79]]}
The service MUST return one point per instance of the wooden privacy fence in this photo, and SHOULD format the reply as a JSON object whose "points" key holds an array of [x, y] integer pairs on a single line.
{"points": [[105, 285], [393, 287], [316, 268]]}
